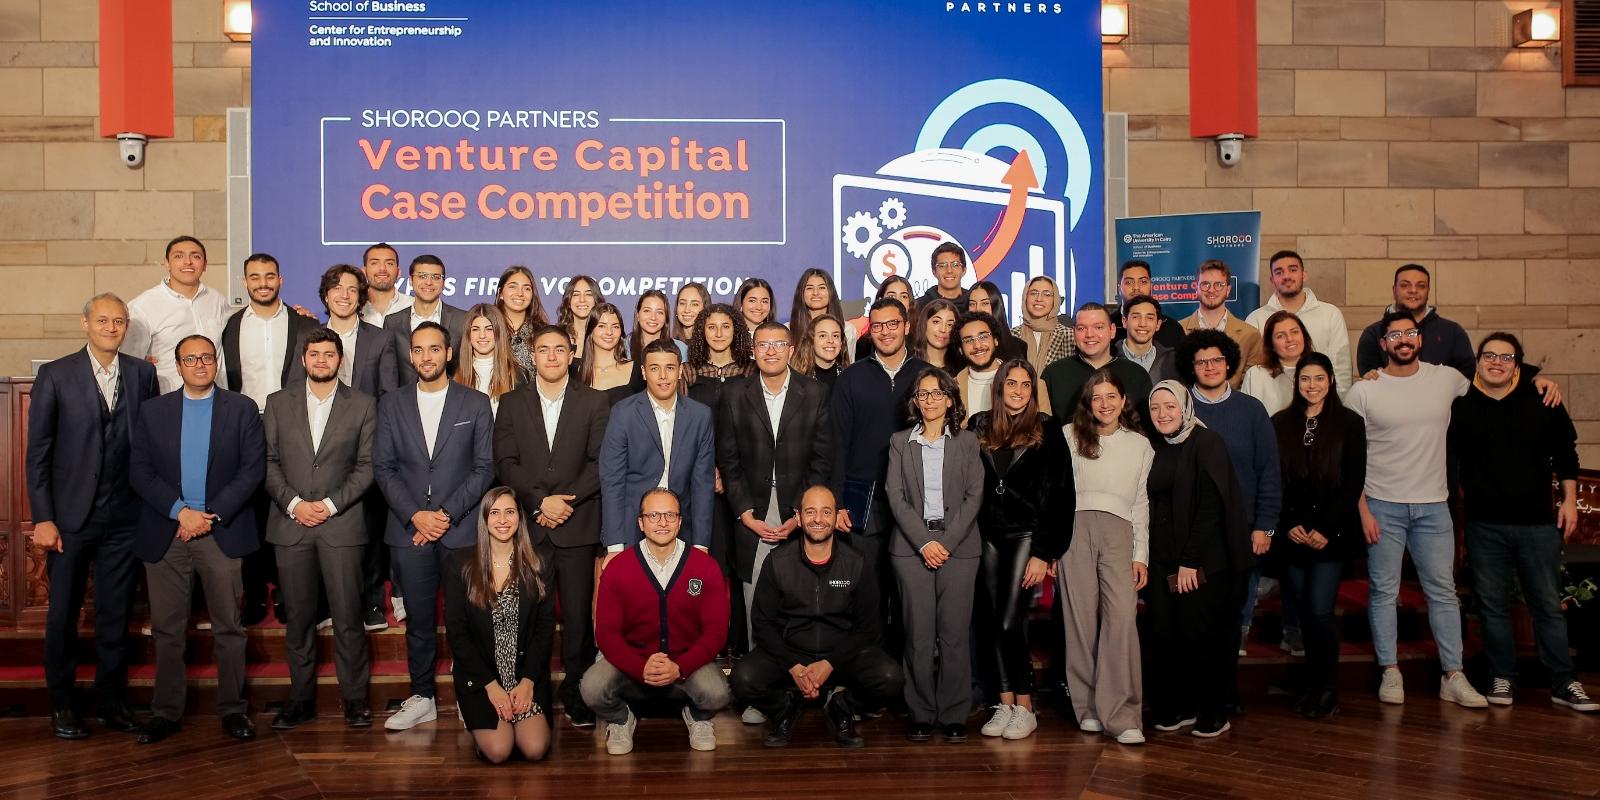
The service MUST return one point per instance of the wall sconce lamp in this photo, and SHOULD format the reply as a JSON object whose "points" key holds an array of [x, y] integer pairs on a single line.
{"points": [[1536, 27], [1113, 22], [236, 20]]}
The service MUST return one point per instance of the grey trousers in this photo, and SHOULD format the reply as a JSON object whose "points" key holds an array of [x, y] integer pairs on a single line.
{"points": [[1101, 606], [171, 580], [763, 549], [302, 568], [607, 690], [937, 606]]}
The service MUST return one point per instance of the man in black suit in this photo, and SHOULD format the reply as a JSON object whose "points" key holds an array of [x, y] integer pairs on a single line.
{"points": [[259, 351], [773, 440], [319, 466], [547, 447], [371, 366], [427, 284], [433, 460], [79, 436], [198, 456]]}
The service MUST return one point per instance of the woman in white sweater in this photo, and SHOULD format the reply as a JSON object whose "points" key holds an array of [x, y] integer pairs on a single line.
{"points": [[1285, 340], [1104, 567]]}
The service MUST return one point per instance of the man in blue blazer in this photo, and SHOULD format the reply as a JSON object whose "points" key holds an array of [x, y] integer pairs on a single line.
{"points": [[198, 456], [657, 438], [80, 424], [433, 460]]}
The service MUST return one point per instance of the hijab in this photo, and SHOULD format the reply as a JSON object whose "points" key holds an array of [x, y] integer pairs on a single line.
{"points": [[1040, 330], [1185, 402]]}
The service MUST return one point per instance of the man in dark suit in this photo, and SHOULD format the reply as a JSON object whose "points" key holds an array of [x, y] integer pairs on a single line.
{"points": [[198, 456], [371, 366], [773, 440], [1142, 314], [259, 349], [427, 284], [547, 447], [657, 438], [79, 435], [319, 467], [434, 459]]}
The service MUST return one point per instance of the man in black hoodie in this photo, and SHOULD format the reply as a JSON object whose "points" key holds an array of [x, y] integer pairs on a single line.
{"points": [[1444, 342], [816, 632], [1506, 444]]}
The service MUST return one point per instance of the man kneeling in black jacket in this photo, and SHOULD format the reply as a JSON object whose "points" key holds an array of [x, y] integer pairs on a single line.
{"points": [[816, 632]]}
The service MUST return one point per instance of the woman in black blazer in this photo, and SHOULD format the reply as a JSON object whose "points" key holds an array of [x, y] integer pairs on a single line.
{"points": [[1025, 523], [499, 622], [1324, 452]]}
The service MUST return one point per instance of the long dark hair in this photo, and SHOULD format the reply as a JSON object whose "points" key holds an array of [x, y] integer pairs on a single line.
{"points": [[799, 313], [997, 302], [564, 316], [947, 384], [636, 341], [1292, 449], [750, 285], [504, 376], [534, 316], [1269, 356], [805, 352], [526, 569], [679, 330], [1005, 429], [1085, 429], [700, 352], [919, 331], [586, 372], [911, 293]]}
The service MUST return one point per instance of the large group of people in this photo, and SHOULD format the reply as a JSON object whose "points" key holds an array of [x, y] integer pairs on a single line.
{"points": [[853, 513]]}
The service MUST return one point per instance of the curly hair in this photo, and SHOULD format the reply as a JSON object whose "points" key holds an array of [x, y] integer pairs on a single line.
{"points": [[700, 351], [1201, 340]]}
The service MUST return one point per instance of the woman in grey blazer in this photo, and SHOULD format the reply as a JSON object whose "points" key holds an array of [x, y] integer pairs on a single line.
{"points": [[934, 482]]}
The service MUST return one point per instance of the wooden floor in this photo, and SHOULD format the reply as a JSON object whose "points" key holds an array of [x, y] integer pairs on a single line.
{"points": [[1425, 749]]}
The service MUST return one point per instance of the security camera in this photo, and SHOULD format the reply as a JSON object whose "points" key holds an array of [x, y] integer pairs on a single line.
{"points": [[1230, 148], [132, 147]]}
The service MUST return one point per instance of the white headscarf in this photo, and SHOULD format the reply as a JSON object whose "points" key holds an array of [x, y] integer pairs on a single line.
{"points": [[1185, 402]]}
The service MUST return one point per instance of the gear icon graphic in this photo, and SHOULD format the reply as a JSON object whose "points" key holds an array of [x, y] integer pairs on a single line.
{"points": [[861, 232], [892, 213]]}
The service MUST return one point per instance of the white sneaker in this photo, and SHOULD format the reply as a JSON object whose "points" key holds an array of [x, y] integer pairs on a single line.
{"points": [[1393, 688], [1130, 736], [399, 606], [1090, 726], [413, 712], [702, 736], [1244, 638], [1022, 725], [997, 723], [619, 738], [1458, 690], [325, 624], [752, 716]]}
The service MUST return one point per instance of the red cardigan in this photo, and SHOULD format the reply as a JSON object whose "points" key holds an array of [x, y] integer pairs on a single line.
{"points": [[631, 607]]}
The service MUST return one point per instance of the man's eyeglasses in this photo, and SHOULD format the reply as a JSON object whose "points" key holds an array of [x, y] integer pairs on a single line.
{"points": [[427, 276], [660, 516], [1213, 286], [981, 337], [770, 347], [1505, 358], [949, 265], [1216, 361], [886, 325], [190, 361], [1395, 336]]}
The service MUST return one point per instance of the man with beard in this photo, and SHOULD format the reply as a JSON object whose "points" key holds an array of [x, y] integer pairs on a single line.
{"points": [[319, 466], [979, 337], [381, 266], [1212, 287], [259, 350], [1133, 280], [1324, 322], [1441, 341], [1404, 508], [1063, 380], [427, 305], [816, 632], [1142, 315], [433, 460]]}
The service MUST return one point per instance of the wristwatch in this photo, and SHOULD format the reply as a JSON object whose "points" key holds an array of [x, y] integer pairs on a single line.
{"points": [[1269, 532]]}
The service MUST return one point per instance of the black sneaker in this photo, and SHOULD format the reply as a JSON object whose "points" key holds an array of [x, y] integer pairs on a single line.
{"points": [[1499, 693], [1210, 727], [580, 716], [919, 731], [1575, 698], [1173, 722], [954, 733], [375, 620], [1324, 704]]}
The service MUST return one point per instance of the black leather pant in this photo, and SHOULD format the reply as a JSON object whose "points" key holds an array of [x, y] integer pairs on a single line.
{"points": [[1005, 661]]}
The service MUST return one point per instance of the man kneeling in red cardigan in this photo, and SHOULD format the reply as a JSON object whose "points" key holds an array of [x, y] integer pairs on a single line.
{"points": [[660, 619]]}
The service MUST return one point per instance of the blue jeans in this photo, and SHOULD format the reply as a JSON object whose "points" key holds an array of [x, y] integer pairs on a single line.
{"points": [[1314, 588], [1534, 553], [1425, 530], [1290, 614]]}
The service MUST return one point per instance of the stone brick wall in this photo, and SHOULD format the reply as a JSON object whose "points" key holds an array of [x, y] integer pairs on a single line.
{"points": [[1397, 131], [1394, 131]]}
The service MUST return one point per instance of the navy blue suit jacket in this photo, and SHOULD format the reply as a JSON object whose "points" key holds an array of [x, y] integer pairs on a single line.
{"points": [[235, 467], [631, 464], [453, 479], [64, 443]]}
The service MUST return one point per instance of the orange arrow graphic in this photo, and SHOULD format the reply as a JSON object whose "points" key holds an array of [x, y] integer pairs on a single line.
{"points": [[1020, 178]]}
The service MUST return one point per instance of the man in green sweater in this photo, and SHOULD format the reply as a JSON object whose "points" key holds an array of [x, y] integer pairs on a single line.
{"points": [[1064, 379]]}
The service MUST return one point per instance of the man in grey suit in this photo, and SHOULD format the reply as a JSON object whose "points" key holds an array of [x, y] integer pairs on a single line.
{"points": [[319, 464], [427, 284]]}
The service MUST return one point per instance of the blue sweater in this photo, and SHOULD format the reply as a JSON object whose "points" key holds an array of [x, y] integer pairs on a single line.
{"points": [[194, 452], [1243, 423]]}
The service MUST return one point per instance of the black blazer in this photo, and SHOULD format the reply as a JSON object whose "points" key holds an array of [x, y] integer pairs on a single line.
{"points": [[376, 368], [1038, 494], [299, 326], [470, 632], [533, 469], [236, 465], [748, 457], [399, 325], [64, 438]]}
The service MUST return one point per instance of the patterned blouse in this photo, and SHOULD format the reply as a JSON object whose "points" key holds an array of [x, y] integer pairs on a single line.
{"points": [[504, 616], [522, 347]]}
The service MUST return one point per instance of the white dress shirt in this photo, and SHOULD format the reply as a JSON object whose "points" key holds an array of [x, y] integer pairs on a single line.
{"points": [[262, 345], [159, 318], [664, 421], [436, 317], [372, 316], [775, 402], [551, 409], [431, 406], [317, 412], [347, 363], [106, 378]]}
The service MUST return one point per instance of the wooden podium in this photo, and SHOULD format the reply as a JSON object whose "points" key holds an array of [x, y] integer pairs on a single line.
{"points": [[24, 588]]}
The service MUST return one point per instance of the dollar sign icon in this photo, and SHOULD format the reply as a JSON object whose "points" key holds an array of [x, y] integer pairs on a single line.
{"points": [[890, 268]]}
